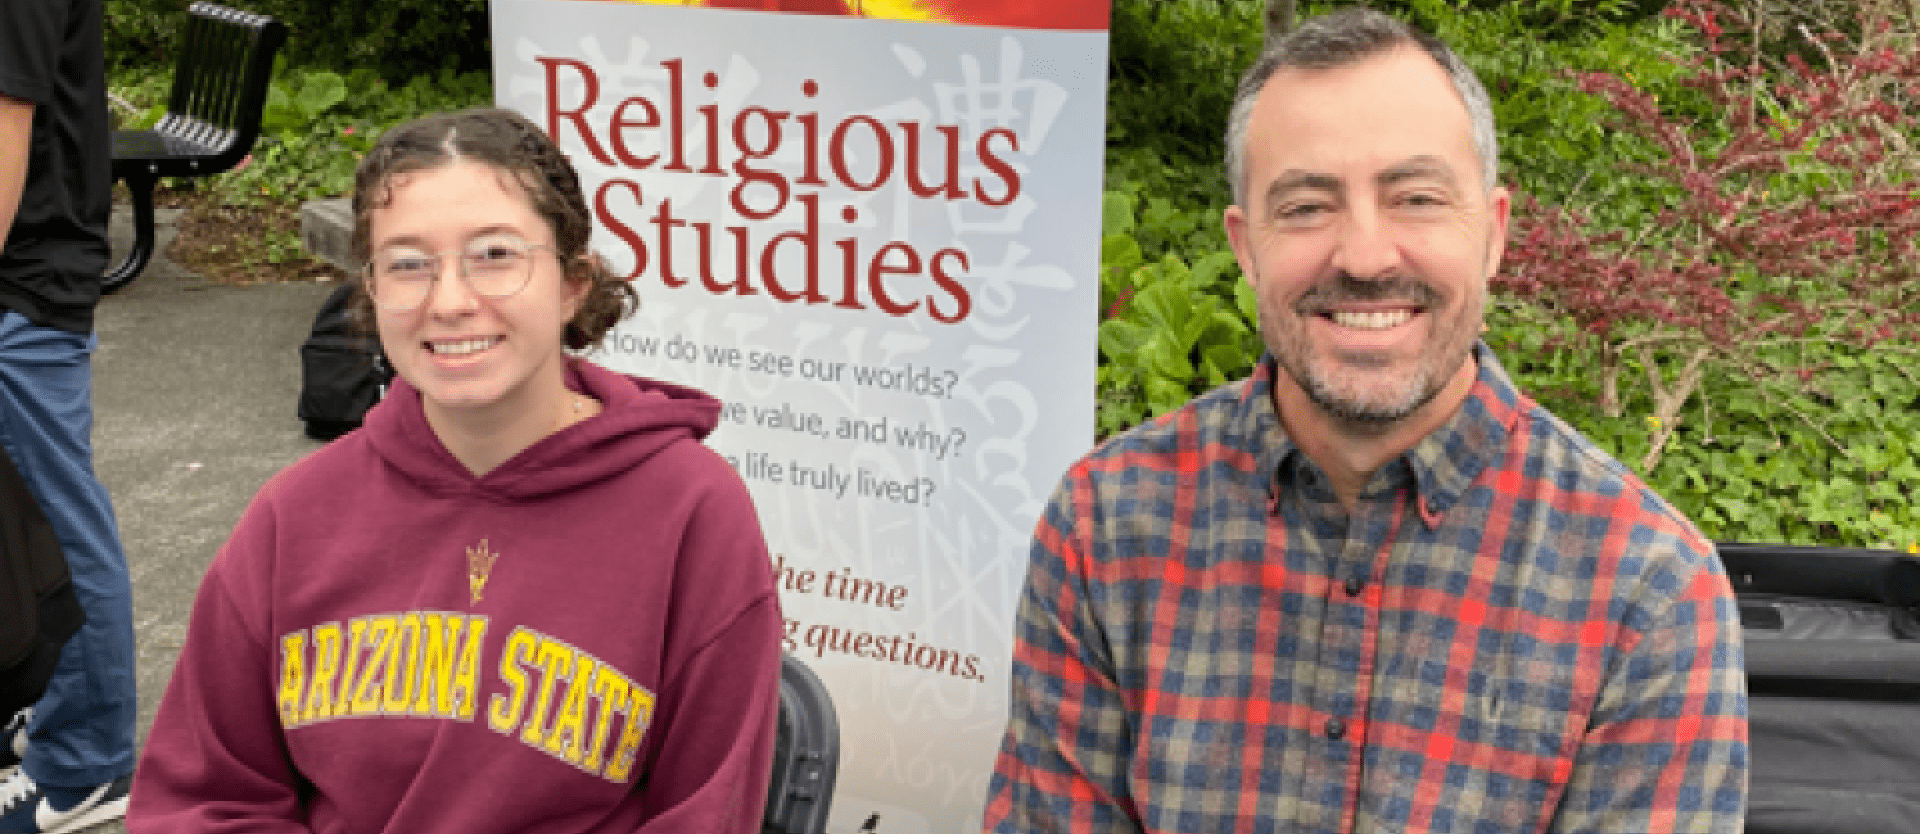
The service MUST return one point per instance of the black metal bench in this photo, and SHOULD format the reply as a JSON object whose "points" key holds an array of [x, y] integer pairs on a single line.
{"points": [[211, 121]]}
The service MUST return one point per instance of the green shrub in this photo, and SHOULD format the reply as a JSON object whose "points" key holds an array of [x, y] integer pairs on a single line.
{"points": [[317, 123], [1172, 328], [1171, 72], [140, 33], [393, 38]]}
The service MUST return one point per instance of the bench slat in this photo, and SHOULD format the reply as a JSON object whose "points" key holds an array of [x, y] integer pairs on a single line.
{"points": [[213, 115]]}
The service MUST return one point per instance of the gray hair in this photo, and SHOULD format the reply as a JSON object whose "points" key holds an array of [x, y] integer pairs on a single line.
{"points": [[1346, 37]]}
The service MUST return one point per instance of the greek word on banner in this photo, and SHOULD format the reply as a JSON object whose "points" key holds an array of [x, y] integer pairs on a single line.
{"points": [[877, 241]]}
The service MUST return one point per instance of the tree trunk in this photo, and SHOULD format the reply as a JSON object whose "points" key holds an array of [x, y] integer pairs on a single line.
{"points": [[1280, 18], [1668, 399], [1610, 380]]}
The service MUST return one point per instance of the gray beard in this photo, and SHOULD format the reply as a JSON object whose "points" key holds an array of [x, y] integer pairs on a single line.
{"points": [[1359, 418]]}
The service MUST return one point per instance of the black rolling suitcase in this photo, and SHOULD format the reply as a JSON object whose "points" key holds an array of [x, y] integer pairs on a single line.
{"points": [[1833, 678]]}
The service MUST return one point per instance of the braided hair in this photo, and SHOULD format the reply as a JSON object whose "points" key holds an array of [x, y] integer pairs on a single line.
{"points": [[509, 142]]}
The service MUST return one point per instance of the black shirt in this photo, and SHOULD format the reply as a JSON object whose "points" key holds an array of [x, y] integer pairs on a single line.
{"points": [[51, 54]]}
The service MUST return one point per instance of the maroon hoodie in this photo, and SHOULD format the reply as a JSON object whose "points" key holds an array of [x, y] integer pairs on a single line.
{"points": [[584, 640]]}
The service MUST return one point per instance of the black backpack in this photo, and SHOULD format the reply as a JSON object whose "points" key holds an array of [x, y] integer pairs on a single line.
{"points": [[38, 607], [343, 372], [1833, 682]]}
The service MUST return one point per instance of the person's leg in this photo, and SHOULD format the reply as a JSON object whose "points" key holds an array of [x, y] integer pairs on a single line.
{"points": [[83, 727]]}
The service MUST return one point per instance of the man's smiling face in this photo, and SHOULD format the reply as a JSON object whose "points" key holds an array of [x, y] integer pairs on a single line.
{"points": [[1368, 235]]}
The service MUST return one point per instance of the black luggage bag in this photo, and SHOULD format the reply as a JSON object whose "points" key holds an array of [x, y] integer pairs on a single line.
{"points": [[39, 607], [1833, 678]]}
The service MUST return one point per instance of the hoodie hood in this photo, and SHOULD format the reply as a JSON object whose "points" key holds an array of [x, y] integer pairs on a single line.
{"points": [[639, 418]]}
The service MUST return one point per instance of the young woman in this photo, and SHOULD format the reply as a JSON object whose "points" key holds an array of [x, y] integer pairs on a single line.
{"points": [[523, 597]]}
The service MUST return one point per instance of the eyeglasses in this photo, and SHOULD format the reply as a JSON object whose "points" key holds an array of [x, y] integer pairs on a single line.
{"points": [[400, 278]]}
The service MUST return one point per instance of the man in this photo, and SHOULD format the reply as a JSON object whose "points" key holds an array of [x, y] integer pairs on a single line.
{"points": [[55, 197], [1373, 588]]}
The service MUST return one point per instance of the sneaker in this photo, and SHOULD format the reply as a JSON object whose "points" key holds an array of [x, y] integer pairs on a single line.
{"points": [[13, 743], [28, 808]]}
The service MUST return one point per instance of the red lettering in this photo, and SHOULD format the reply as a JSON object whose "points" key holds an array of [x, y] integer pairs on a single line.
{"points": [[849, 268], [666, 222], [1005, 169], [578, 116], [809, 240], [617, 131], [675, 105], [810, 124], [883, 146], [910, 131], [712, 122], [790, 265], [953, 287], [742, 279], [881, 268], [749, 152], [621, 230]]}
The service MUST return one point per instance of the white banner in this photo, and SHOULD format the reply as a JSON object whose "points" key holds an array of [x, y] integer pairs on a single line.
{"points": [[878, 242]]}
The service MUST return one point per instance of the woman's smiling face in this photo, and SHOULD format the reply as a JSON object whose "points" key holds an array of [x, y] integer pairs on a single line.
{"points": [[465, 352]]}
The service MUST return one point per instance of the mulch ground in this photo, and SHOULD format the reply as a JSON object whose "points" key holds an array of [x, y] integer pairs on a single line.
{"points": [[235, 245]]}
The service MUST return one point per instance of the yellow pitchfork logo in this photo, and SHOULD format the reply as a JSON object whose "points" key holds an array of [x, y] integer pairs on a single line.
{"points": [[479, 566]]}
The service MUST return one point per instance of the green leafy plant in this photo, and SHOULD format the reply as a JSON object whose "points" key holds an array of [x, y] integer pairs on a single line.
{"points": [[392, 38], [317, 123], [140, 34], [298, 100], [1172, 328], [1793, 222], [1171, 68], [1747, 338], [307, 147]]}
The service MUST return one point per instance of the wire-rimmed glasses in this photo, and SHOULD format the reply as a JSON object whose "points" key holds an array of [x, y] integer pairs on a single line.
{"points": [[400, 278]]}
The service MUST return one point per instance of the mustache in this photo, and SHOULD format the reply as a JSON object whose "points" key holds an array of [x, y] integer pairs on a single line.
{"points": [[1345, 288]]}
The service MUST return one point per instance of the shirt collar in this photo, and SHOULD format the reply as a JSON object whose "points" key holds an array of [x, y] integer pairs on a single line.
{"points": [[1449, 460], [1444, 464], [1270, 443]]}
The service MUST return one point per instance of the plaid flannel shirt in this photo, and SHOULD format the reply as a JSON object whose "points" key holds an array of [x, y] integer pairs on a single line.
{"points": [[1510, 633]]}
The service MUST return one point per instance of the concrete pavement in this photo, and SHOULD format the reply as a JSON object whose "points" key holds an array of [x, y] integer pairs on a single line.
{"points": [[195, 386]]}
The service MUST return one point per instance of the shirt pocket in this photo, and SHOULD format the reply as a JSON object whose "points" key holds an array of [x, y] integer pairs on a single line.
{"points": [[1476, 745]]}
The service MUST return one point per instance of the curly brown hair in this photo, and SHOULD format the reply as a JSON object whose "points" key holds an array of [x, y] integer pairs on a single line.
{"points": [[516, 146]]}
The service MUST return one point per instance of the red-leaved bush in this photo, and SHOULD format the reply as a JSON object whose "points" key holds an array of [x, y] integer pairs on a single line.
{"points": [[1794, 216]]}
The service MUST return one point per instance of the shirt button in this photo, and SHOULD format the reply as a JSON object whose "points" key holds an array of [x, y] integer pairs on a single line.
{"points": [[1336, 729], [1356, 584]]}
